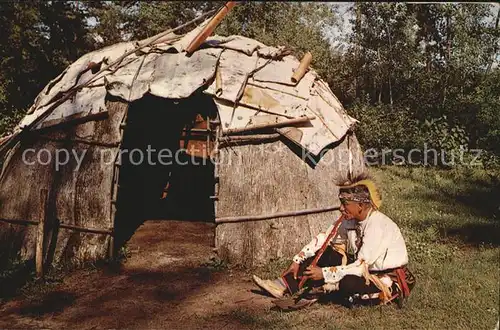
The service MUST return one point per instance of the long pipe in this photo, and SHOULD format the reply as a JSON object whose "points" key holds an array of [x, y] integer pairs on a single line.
{"points": [[330, 236]]}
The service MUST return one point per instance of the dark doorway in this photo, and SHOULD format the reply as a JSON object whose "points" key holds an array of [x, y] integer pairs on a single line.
{"points": [[159, 179]]}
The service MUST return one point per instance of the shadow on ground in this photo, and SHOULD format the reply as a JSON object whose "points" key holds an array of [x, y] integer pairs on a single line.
{"points": [[165, 283]]}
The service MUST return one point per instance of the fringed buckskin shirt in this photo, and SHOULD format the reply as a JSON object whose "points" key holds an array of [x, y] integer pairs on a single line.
{"points": [[382, 246]]}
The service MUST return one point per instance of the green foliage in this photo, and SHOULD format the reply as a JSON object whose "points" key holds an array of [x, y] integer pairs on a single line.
{"points": [[382, 129], [8, 122], [448, 141], [39, 39], [436, 61]]}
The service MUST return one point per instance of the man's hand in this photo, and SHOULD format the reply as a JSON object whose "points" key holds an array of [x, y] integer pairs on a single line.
{"points": [[313, 273], [294, 269]]}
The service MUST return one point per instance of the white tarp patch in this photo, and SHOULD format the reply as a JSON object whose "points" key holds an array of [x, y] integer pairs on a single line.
{"points": [[177, 76], [301, 90], [122, 83], [322, 89], [237, 43], [73, 74], [231, 117], [234, 68], [85, 102], [277, 71]]}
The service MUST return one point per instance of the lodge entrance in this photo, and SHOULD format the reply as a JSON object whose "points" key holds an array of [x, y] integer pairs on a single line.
{"points": [[166, 172]]}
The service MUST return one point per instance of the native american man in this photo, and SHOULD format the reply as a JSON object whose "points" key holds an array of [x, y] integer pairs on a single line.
{"points": [[365, 261]]}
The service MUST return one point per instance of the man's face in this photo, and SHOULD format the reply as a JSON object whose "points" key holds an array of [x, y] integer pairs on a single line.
{"points": [[350, 210]]}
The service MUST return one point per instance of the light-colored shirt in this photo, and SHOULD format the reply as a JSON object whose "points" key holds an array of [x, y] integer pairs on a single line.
{"points": [[383, 246]]}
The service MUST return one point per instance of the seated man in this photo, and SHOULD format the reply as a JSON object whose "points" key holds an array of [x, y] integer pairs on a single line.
{"points": [[377, 269]]}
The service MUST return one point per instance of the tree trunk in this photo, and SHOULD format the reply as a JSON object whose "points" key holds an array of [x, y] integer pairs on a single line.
{"points": [[390, 63], [358, 41], [448, 56], [495, 47], [380, 82]]}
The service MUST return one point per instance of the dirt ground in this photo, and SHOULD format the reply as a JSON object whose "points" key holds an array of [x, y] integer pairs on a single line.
{"points": [[164, 284]]}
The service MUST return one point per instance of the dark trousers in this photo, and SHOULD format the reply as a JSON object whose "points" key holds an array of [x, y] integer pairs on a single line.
{"points": [[348, 286]]}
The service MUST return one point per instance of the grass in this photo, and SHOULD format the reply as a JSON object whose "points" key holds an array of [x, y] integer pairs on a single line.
{"points": [[450, 219]]}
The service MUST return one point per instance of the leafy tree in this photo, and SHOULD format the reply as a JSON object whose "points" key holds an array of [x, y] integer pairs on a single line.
{"points": [[430, 63], [298, 26], [39, 40]]}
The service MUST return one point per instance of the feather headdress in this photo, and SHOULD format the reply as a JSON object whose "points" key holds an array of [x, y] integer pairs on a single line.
{"points": [[364, 181]]}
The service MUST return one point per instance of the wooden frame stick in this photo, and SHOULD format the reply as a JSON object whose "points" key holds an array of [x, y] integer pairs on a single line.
{"points": [[209, 28], [330, 236], [289, 122], [62, 225], [245, 218], [40, 233], [302, 69]]}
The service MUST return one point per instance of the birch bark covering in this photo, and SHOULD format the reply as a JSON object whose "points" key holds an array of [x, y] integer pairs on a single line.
{"points": [[269, 178], [77, 196]]}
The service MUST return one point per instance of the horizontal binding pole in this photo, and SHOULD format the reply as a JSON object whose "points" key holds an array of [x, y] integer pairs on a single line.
{"points": [[77, 119], [4, 139], [246, 218], [91, 143], [71, 227], [250, 137], [20, 222], [288, 122], [197, 130], [86, 230], [242, 139]]}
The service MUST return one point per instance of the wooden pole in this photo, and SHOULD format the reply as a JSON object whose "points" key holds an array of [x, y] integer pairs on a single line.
{"points": [[67, 122], [209, 28], [5, 138], [246, 218], [244, 139], [87, 230], [302, 69], [283, 123], [330, 236], [255, 137], [82, 141], [218, 83], [20, 222], [40, 236]]}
